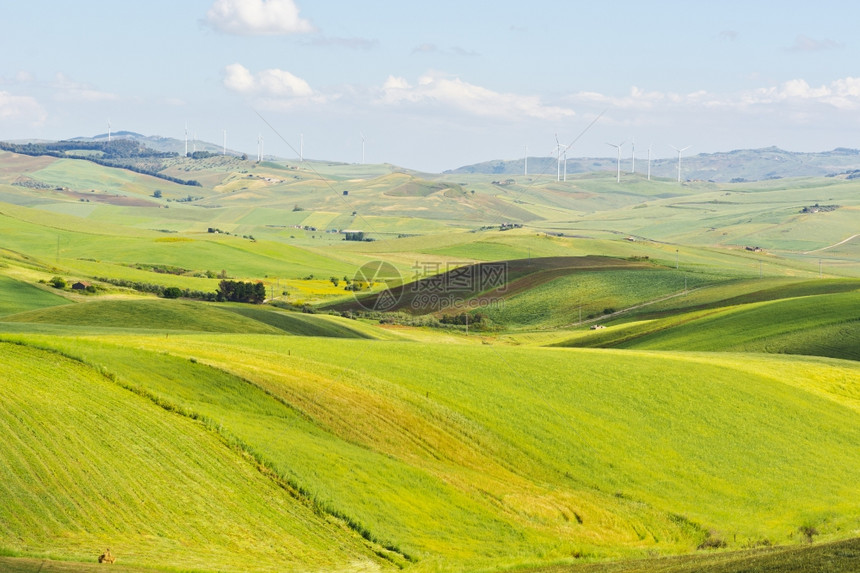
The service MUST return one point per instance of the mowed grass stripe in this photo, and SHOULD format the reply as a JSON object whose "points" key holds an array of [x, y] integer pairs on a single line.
{"points": [[99, 466]]}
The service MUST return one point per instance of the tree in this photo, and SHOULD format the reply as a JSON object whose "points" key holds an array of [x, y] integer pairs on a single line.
{"points": [[172, 292], [157, 193], [239, 291], [57, 282]]}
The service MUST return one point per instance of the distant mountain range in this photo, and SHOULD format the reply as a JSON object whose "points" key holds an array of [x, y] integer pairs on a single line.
{"points": [[738, 165], [162, 143]]}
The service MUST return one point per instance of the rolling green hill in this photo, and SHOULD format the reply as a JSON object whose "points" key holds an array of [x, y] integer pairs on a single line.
{"points": [[19, 296], [178, 315], [713, 425], [820, 325], [521, 456], [88, 465]]}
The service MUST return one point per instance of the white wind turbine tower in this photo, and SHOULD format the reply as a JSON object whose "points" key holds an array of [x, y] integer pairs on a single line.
{"points": [[649, 162], [618, 147], [566, 147], [679, 158], [186, 139], [561, 150], [260, 147], [363, 140], [558, 159], [633, 155], [108, 131], [224, 152]]}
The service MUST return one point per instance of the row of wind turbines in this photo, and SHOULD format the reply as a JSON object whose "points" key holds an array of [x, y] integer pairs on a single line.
{"points": [[561, 155]]}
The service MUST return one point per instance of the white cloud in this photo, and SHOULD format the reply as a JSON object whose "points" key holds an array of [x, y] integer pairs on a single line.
{"points": [[425, 48], [268, 83], [257, 17], [238, 78], [282, 83], [843, 93], [69, 90], [434, 88], [21, 109], [806, 44]]}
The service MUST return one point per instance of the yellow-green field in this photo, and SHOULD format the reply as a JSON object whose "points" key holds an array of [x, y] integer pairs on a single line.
{"points": [[712, 425]]}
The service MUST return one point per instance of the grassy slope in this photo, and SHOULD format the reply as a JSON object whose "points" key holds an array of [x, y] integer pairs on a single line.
{"points": [[146, 314], [87, 465], [18, 296], [305, 325], [823, 325], [503, 283], [185, 315], [93, 248], [491, 463]]}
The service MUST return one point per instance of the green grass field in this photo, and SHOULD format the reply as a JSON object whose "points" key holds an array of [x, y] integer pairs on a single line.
{"points": [[817, 324], [19, 296], [88, 465], [530, 460], [711, 426]]}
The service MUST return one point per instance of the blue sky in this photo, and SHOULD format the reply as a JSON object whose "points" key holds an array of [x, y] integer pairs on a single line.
{"points": [[435, 85]]}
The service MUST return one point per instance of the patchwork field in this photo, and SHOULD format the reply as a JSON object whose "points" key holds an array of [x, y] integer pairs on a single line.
{"points": [[707, 422]]}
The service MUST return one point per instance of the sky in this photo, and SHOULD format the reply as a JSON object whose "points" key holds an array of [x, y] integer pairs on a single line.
{"points": [[434, 85]]}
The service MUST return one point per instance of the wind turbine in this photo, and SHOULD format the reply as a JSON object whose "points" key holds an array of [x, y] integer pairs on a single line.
{"points": [[558, 159], [108, 131], [260, 147], [224, 152], [649, 162], [618, 147], [363, 139], [562, 150], [633, 155], [186, 139], [679, 158]]}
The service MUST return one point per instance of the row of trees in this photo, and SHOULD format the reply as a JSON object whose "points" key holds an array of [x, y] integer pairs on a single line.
{"points": [[161, 290], [239, 291], [228, 290], [121, 153]]}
